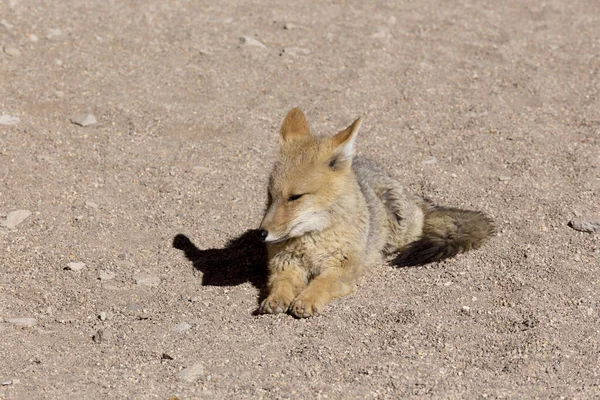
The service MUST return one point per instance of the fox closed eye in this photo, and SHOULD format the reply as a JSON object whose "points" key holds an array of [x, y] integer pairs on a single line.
{"points": [[295, 197]]}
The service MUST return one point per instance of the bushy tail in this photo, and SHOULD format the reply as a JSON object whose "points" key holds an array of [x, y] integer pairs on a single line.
{"points": [[446, 232]]}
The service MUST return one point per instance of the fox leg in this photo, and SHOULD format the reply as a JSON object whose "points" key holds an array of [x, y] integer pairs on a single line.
{"points": [[333, 282], [284, 285]]}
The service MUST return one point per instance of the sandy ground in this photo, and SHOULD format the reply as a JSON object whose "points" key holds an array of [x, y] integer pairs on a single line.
{"points": [[476, 104]]}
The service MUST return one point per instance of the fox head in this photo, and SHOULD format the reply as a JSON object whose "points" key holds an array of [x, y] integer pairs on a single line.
{"points": [[308, 179]]}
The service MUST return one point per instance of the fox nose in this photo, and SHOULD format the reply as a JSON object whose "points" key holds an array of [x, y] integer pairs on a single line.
{"points": [[263, 233]]}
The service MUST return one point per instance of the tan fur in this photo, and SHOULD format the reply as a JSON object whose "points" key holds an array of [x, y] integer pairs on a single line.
{"points": [[329, 216]]}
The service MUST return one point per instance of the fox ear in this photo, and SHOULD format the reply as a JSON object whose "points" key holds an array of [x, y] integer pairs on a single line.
{"points": [[294, 125], [343, 143]]}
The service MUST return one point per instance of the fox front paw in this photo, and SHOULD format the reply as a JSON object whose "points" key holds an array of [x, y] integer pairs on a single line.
{"points": [[272, 305], [304, 309]]}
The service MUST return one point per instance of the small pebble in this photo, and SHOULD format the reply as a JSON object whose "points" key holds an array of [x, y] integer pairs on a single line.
{"points": [[192, 373], [56, 34], [182, 327], [295, 51], [75, 266], [6, 119], [383, 32], [504, 178], [91, 204], [33, 38], [105, 275], [250, 41], [590, 225], [430, 161], [25, 321], [84, 119], [146, 280], [291, 25], [100, 336], [165, 356], [12, 51], [6, 25], [15, 218], [103, 316]]}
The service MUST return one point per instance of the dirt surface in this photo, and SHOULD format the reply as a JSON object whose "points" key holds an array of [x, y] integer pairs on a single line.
{"points": [[476, 104]]}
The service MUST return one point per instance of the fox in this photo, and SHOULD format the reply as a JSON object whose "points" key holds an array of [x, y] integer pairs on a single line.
{"points": [[330, 216]]}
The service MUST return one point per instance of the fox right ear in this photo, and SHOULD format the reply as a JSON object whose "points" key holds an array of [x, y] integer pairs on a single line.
{"points": [[343, 142], [294, 125]]}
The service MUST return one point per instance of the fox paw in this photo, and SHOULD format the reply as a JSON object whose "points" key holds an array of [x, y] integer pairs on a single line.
{"points": [[303, 309], [271, 305]]}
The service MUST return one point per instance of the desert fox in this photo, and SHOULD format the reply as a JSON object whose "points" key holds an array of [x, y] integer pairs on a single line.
{"points": [[329, 216]]}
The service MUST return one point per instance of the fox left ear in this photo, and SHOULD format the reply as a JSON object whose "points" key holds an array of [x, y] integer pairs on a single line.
{"points": [[294, 125], [343, 143]]}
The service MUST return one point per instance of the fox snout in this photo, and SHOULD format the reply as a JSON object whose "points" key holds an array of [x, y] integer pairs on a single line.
{"points": [[270, 228]]}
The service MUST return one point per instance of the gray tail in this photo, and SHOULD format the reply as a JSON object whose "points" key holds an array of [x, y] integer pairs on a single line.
{"points": [[446, 233]]}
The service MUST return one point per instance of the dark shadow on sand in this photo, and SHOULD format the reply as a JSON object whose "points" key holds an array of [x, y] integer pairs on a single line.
{"points": [[243, 259]]}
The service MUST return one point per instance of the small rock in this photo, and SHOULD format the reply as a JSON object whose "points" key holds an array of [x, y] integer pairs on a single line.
{"points": [[146, 280], [192, 373], [33, 38], [24, 321], [6, 383], [250, 41], [295, 51], [6, 25], [14, 218], [291, 25], [91, 204], [100, 336], [56, 34], [103, 316], [182, 327], [59, 94], [466, 309], [12, 51], [590, 225], [165, 356], [105, 275], [84, 119], [504, 178], [6, 119], [383, 32], [430, 161], [75, 266]]}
